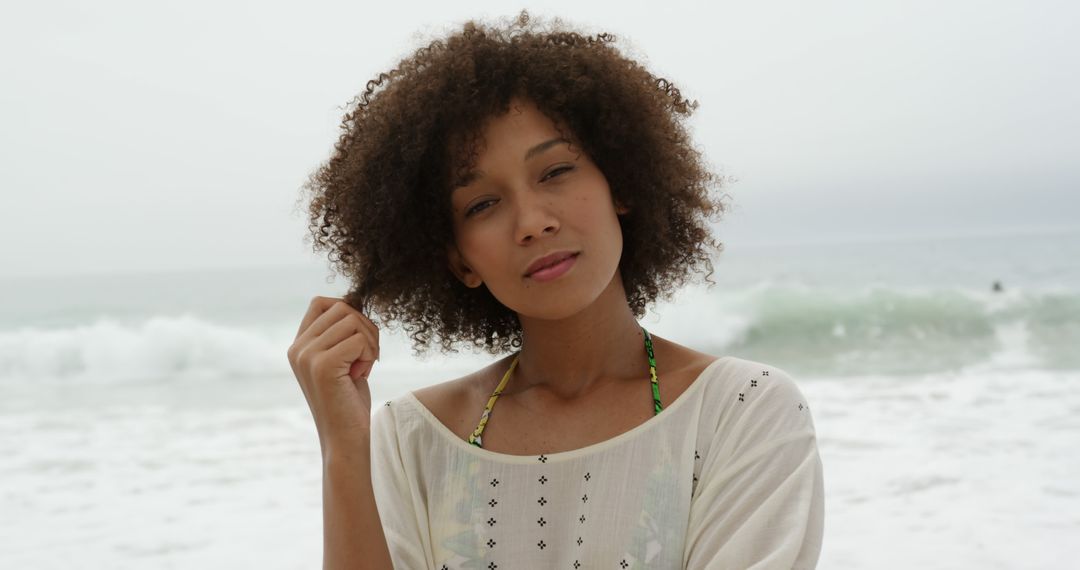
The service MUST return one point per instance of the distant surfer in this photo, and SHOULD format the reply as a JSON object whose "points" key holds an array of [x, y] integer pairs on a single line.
{"points": [[997, 287]]}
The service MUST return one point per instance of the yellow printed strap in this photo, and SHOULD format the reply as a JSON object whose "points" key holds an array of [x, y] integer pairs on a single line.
{"points": [[475, 437]]}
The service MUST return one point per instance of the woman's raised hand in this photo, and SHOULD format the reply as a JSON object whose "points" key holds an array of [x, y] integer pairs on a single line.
{"points": [[331, 357]]}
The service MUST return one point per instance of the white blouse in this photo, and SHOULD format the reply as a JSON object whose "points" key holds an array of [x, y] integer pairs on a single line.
{"points": [[726, 476]]}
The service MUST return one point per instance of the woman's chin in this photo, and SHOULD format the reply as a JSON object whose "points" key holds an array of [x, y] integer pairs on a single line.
{"points": [[555, 307]]}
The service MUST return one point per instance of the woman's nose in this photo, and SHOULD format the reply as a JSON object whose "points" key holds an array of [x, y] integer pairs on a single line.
{"points": [[535, 216]]}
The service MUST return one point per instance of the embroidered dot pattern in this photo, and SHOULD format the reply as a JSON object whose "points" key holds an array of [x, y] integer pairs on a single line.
{"points": [[542, 480], [543, 523], [697, 469]]}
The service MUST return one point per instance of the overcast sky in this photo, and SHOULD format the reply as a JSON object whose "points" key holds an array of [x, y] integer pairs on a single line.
{"points": [[143, 136]]}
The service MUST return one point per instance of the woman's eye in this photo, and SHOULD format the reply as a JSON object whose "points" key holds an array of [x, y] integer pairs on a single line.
{"points": [[557, 170], [477, 208]]}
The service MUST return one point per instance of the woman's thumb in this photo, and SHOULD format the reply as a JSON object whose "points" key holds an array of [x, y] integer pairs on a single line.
{"points": [[360, 369]]}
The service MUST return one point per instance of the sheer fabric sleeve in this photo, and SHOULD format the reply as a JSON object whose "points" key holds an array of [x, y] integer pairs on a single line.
{"points": [[403, 523], [760, 497]]}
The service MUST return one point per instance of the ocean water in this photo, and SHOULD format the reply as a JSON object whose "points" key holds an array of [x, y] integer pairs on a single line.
{"points": [[152, 420]]}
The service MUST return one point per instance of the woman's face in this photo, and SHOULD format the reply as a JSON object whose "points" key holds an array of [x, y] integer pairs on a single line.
{"points": [[530, 196]]}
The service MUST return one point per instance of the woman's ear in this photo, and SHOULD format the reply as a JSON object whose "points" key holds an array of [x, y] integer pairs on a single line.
{"points": [[460, 269]]}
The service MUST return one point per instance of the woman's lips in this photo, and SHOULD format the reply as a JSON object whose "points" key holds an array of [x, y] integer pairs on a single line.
{"points": [[555, 271]]}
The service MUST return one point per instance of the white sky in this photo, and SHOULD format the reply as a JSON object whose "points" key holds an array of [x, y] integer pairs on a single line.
{"points": [[139, 136]]}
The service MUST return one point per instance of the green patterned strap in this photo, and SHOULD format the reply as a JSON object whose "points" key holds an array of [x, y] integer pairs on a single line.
{"points": [[657, 406]]}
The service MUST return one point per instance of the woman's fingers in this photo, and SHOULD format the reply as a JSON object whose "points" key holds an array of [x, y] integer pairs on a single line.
{"points": [[344, 328], [330, 322], [345, 355], [324, 320], [316, 308]]}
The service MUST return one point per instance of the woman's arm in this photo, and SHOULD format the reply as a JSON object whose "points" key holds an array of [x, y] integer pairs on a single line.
{"points": [[759, 503], [353, 535], [332, 357]]}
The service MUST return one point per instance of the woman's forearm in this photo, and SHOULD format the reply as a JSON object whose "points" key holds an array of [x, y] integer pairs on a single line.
{"points": [[353, 536]]}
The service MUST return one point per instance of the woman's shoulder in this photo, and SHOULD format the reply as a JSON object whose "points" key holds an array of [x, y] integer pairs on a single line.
{"points": [[458, 403], [681, 364], [452, 402], [751, 400]]}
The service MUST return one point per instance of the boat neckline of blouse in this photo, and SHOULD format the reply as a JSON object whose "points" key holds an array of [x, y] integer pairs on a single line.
{"points": [[597, 447]]}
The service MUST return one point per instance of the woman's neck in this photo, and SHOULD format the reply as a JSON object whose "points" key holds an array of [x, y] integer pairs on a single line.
{"points": [[565, 359]]}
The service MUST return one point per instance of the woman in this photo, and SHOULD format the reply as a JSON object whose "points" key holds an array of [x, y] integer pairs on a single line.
{"points": [[532, 193]]}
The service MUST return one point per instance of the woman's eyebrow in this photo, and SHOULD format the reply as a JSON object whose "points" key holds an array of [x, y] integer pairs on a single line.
{"points": [[478, 174], [543, 146]]}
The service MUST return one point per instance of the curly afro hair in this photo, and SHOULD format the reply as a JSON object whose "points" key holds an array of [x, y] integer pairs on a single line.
{"points": [[381, 204]]}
